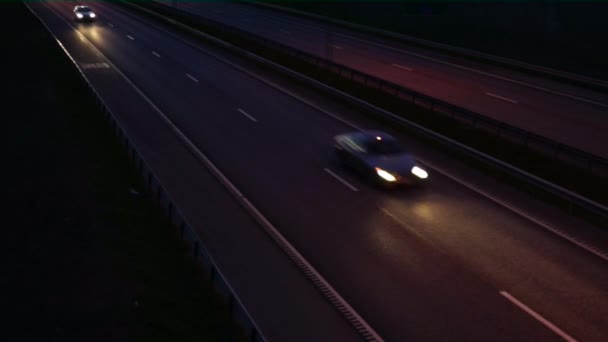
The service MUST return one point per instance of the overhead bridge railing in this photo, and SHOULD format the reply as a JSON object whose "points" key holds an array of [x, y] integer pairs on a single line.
{"points": [[328, 75]]}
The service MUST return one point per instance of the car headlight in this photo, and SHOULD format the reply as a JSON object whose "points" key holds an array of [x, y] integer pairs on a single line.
{"points": [[79, 15], [387, 176], [92, 15], [419, 172]]}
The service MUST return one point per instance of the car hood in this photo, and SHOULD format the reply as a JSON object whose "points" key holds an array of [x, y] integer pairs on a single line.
{"points": [[399, 163]]}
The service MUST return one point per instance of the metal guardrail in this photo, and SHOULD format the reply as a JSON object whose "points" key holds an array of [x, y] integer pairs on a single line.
{"points": [[581, 80], [238, 312], [573, 199], [556, 151]]}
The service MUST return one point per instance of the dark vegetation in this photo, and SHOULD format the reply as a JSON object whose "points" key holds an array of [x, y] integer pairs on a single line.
{"points": [[87, 255]]}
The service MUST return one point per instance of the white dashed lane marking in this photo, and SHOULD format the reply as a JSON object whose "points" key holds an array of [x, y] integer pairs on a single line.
{"points": [[502, 98], [192, 78], [341, 180]]}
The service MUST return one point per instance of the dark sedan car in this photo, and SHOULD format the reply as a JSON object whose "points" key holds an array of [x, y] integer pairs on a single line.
{"points": [[84, 13], [380, 156]]}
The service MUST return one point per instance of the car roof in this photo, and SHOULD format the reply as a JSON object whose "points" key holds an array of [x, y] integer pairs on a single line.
{"points": [[368, 135], [81, 7]]}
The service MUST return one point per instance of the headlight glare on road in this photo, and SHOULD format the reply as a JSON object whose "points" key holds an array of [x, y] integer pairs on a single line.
{"points": [[79, 15], [385, 175], [419, 172]]}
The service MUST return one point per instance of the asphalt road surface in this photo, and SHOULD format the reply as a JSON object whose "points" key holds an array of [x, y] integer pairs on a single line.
{"points": [[565, 113], [451, 261]]}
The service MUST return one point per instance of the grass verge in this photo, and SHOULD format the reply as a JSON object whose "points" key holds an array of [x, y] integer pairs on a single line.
{"points": [[88, 257]]}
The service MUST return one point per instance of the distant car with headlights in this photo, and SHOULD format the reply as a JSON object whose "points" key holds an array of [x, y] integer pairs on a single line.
{"points": [[84, 13], [380, 157]]}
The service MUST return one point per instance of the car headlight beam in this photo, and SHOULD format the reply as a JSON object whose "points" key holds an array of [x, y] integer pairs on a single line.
{"points": [[419, 172], [92, 15], [79, 15], [387, 176]]}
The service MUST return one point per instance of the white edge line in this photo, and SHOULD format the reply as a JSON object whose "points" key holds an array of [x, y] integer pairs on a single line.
{"points": [[341, 180], [155, 54], [130, 37], [250, 73], [348, 123], [502, 98], [241, 198], [337, 47], [110, 24], [555, 92], [538, 317], [192, 78], [401, 67], [520, 213], [471, 187], [247, 115], [154, 107]]}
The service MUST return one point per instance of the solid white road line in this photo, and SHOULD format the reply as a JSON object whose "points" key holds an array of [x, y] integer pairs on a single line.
{"points": [[352, 316], [555, 92], [130, 37], [253, 74], [247, 115], [401, 67], [192, 78], [341, 180], [110, 24], [538, 317], [155, 54], [586, 247], [337, 47], [502, 98], [525, 84]]}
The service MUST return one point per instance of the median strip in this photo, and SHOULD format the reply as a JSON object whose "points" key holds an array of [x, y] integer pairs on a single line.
{"points": [[469, 129]]}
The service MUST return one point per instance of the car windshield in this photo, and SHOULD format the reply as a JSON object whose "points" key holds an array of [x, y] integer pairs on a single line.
{"points": [[83, 10], [385, 146]]}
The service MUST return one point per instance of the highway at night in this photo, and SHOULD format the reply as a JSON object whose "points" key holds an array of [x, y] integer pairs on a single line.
{"points": [[464, 257], [566, 113]]}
